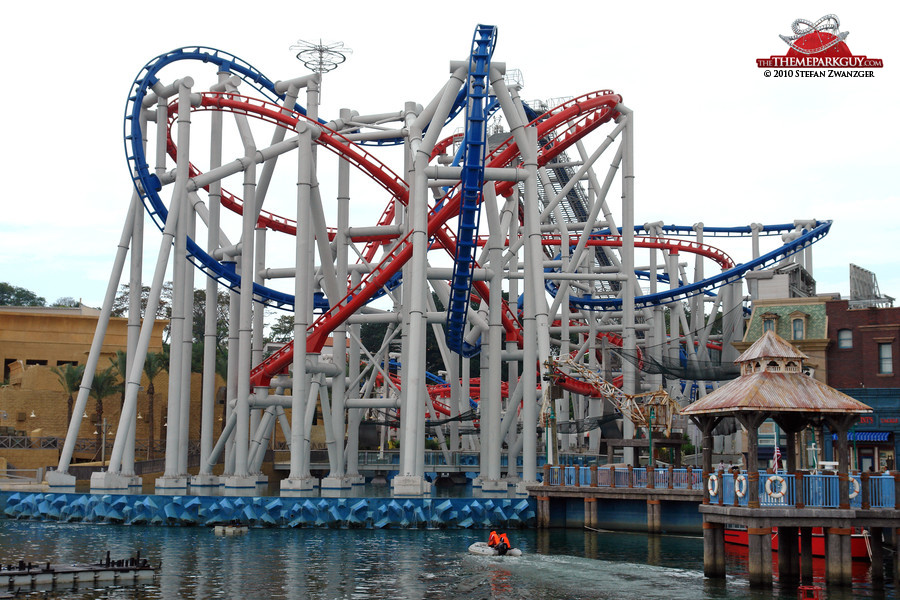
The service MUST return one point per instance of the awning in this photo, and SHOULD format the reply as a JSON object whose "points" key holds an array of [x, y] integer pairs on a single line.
{"points": [[865, 436]]}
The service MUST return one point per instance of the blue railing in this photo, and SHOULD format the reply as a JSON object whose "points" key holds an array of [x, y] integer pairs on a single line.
{"points": [[775, 490], [635, 478], [818, 490]]}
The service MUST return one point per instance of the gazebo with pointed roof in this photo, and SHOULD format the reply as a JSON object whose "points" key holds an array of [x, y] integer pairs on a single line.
{"points": [[772, 385]]}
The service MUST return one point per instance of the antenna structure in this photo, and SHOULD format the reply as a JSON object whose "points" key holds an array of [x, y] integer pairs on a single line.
{"points": [[321, 57]]}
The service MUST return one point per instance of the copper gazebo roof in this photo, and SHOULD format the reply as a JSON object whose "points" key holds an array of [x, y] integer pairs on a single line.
{"points": [[772, 381]]}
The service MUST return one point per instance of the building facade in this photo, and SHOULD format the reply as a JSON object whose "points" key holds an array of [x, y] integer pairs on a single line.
{"points": [[863, 363], [56, 336]]}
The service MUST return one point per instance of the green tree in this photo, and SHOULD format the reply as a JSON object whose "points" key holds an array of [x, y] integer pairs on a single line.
{"points": [[104, 385], [70, 379], [12, 295], [119, 364], [163, 311], [282, 330], [67, 302], [155, 363], [198, 328]]}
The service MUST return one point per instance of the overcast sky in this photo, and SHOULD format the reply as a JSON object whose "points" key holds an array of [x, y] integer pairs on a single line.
{"points": [[715, 140]]}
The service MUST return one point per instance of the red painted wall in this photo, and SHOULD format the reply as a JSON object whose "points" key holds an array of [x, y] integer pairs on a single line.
{"points": [[857, 367]]}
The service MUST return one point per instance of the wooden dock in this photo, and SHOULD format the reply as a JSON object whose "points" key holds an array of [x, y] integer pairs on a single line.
{"points": [[597, 485], [29, 575]]}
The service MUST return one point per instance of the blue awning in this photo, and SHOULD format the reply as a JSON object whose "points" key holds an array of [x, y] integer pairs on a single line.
{"points": [[865, 436]]}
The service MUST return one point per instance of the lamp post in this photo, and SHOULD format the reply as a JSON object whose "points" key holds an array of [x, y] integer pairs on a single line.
{"points": [[105, 429], [650, 464]]}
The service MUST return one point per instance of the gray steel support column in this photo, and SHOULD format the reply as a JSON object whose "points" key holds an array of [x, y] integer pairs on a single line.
{"points": [[134, 329], [184, 417], [490, 385], [174, 439], [534, 279], [302, 312], [259, 325], [242, 408], [132, 386], [354, 415], [234, 317], [629, 346], [210, 323], [260, 438], [339, 348], [61, 476], [414, 390], [414, 296], [656, 337]]}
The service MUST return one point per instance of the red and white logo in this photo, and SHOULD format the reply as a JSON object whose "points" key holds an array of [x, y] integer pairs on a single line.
{"points": [[818, 45]]}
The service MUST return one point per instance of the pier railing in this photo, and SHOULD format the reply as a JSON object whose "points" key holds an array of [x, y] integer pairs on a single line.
{"points": [[624, 477], [819, 490], [810, 490]]}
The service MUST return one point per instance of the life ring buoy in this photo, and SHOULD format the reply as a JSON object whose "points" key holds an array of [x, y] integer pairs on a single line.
{"points": [[712, 484], [781, 492], [740, 486], [854, 488]]}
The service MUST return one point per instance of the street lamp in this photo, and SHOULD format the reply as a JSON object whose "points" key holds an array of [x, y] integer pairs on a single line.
{"points": [[105, 429]]}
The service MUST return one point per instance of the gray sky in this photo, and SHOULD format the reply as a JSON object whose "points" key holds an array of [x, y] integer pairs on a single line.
{"points": [[715, 140]]}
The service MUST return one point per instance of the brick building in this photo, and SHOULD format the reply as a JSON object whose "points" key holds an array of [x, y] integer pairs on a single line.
{"points": [[863, 363]]}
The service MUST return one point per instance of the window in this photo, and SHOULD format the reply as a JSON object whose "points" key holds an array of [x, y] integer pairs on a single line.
{"points": [[845, 338], [797, 329], [768, 325], [885, 359]]}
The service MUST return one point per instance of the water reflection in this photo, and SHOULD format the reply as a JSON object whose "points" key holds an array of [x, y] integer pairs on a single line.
{"points": [[416, 564]]}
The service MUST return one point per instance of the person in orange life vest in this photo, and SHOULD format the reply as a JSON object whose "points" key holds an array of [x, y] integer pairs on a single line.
{"points": [[499, 542]]}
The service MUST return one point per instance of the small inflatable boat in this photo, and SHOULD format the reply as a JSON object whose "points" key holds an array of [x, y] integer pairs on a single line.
{"points": [[481, 548]]}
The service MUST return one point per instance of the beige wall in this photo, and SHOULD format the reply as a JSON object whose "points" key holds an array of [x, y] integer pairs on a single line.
{"points": [[59, 335], [43, 334], [40, 392]]}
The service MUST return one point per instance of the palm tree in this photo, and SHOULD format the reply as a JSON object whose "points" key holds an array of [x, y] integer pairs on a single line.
{"points": [[119, 364], [104, 385], [154, 364], [69, 376]]}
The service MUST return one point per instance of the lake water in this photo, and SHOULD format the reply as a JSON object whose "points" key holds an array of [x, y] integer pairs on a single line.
{"points": [[395, 564]]}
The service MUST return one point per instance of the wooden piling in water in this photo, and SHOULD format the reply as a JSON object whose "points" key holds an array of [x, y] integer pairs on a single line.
{"points": [[759, 556]]}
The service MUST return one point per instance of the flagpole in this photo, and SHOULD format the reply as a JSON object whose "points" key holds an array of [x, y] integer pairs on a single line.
{"points": [[777, 452]]}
